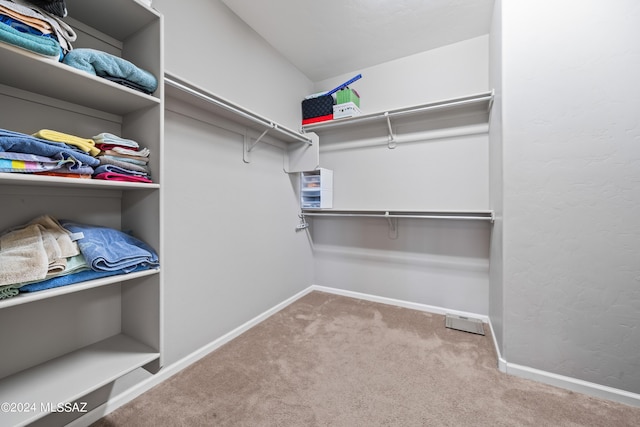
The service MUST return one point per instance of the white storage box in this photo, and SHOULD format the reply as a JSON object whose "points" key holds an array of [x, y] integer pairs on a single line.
{"points": [[348, 109]]}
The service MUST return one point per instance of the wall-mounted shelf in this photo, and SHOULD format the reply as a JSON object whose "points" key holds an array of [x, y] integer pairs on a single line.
{"points": [[460, 215], [7, 178], [467, 105], [24, 70], [192, 94], [28, 297], [393, 216]]}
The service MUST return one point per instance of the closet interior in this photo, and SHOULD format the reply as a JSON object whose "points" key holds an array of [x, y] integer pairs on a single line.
{"points": [[67, 342]]}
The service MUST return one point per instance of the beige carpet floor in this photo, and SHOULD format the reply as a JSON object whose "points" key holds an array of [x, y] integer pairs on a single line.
{"points": [[329, 360]]}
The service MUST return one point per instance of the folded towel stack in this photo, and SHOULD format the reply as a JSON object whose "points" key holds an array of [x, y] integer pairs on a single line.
{"points": [[86, 145], [36, 26], [24, 153], [12, 32], [111, 67], [46, 254], [34, 252], [49, 152], [121, 159]]}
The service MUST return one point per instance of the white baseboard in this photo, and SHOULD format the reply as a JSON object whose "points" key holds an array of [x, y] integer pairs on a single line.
{"points": [[569, 383], [561, 381], [399, 303], [574, 384]]}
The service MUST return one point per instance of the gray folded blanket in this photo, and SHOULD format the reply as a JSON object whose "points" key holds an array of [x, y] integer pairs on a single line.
{"points": [[104, 64]]}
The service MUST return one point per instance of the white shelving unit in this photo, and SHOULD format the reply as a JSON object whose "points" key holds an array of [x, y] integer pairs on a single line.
{"points": [[63, 343], [434, 120]]}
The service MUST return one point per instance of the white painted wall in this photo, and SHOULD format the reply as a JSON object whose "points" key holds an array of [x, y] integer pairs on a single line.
{"points": [[571, 188], [207, 44], [458, 69], [232, 250], [434, 262]]}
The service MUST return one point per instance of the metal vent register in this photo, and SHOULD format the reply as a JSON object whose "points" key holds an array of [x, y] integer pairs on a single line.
{"points": [[463, 323]]}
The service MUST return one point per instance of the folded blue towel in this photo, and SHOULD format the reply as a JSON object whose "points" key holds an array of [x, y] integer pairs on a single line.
{"points": [[16, 142], [45, 46], [103, 64], [70, 279], [107, 249], [117, 169]]}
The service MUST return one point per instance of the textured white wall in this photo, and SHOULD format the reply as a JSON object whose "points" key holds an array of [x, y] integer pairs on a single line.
{"points": [[571, 188]]}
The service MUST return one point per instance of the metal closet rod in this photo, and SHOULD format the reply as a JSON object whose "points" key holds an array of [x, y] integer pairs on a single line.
{"points": [[487, 215], [236, 110]]}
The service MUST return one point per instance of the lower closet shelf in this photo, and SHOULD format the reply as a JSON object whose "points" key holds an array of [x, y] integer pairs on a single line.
{"points": [[24, 298], [37, 391]]}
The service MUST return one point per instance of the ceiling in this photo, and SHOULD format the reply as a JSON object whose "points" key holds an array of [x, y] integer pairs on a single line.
{"points": [[327, 38]]}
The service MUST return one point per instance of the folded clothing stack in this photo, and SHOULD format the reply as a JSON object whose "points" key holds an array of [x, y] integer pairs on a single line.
{"points": [[121, 159], [24, 153], [37, 29], [49, 152], [111, 67], [84, 145], [47, 253]]}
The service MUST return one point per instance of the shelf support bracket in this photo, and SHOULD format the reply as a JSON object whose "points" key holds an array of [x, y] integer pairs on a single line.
{"points": [[248, 146], [393, 226], [391, 143]]}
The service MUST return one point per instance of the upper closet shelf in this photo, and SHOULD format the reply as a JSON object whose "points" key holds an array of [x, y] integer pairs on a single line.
{"points": [[34, 73], [192, 94], [471, 104], [117, 18], [25, 179]]}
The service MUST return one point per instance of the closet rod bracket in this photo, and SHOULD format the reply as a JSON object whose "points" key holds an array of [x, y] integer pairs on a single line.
{"points": [[391, 143], [393, 226], [248, 146]]}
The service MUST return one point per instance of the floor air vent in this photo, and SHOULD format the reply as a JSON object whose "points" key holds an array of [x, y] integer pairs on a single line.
{"points": [[463, 323]]}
